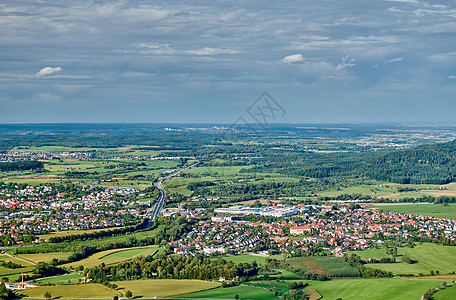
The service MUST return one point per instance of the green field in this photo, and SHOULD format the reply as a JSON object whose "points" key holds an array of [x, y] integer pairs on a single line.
{"points": [[113, 256], [448, 292], [429, 257], [163, 287], [74, 278], [373, 289], [244, 292], [73, 232], [7, 271], [325, 265], [45, 257], [90, 290], [129, 253], [139, 288], [351, 289], [435, 210], [247, 258]]}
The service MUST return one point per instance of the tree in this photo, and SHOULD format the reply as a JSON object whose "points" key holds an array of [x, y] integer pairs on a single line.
{"points": [[406, 259], [129, 294], [47, 296], [116, 297], [236, 297], [4, 292]]}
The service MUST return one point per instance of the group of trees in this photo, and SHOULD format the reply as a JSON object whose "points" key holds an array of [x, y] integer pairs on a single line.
{"points": [[356, 261], [173, 267], [10, 264], [21, 165]]}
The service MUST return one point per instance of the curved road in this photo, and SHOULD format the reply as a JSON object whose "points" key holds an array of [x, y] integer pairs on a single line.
{"points": [[154, 212]]}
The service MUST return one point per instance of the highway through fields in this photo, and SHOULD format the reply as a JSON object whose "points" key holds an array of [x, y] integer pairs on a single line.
{"points": [[154, 212]]}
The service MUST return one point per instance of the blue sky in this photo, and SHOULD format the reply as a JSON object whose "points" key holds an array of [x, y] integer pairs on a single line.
{"points": [[207, 61]]}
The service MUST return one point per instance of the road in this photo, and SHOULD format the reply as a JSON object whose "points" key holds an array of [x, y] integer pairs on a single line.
{"points": [[154, 212], [24, 260]]}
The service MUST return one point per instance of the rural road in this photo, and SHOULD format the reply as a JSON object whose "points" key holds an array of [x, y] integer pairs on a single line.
{"points": [[26, 261], [154, 212]]}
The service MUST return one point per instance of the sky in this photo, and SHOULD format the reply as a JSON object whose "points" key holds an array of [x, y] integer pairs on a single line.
{"points": [[327, 61]]}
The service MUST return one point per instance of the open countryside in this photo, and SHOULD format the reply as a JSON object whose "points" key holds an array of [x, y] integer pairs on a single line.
{"points": [[128, 221]]}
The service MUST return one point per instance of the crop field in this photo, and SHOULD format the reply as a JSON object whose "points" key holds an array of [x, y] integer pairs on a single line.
{"points": [[7, 271], [129, 253], [44, 257], [336, 266], [69, 246], [90, 290], [244, 292], [373, 289], [428, 256], [246, 258], [73, 278], [118, 255], [217, 171], [324, 265], [72, 232], [435, 210], [163, 287]]}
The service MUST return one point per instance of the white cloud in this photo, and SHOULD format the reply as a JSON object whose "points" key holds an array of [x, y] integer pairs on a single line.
{"points": [[48, 71], [212, 51], [452, 77], [348, 19], [166, 49], [293, 59], [398, 59], [347, 63]]}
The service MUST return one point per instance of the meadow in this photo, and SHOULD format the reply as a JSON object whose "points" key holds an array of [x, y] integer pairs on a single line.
{"points": [[72, 232], [90, 290], [428, 256], [373, 289], [435, 210], [73, 278], [323, 265], [247, 258], [353, 289], [244, 292], [163, 287], [4, 271], [448, 292], [113, 256], [140, 288]]}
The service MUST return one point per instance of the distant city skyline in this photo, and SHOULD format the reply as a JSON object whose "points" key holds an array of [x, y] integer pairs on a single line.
{"points": [[208, 62]]}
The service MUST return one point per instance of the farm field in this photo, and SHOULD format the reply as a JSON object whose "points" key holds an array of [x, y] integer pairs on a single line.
{"points": [[448, 292], [7, 271], [324, 265], [429, 257], [90, 290], [246, 258], [373, 289], [72, 232], [163, 287], [244, 292], [282, 287], [74, 278], [434, 210], [118, 255]]}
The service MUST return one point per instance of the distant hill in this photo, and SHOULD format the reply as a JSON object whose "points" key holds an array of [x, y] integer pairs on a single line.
{"points": [[434, 164]]}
